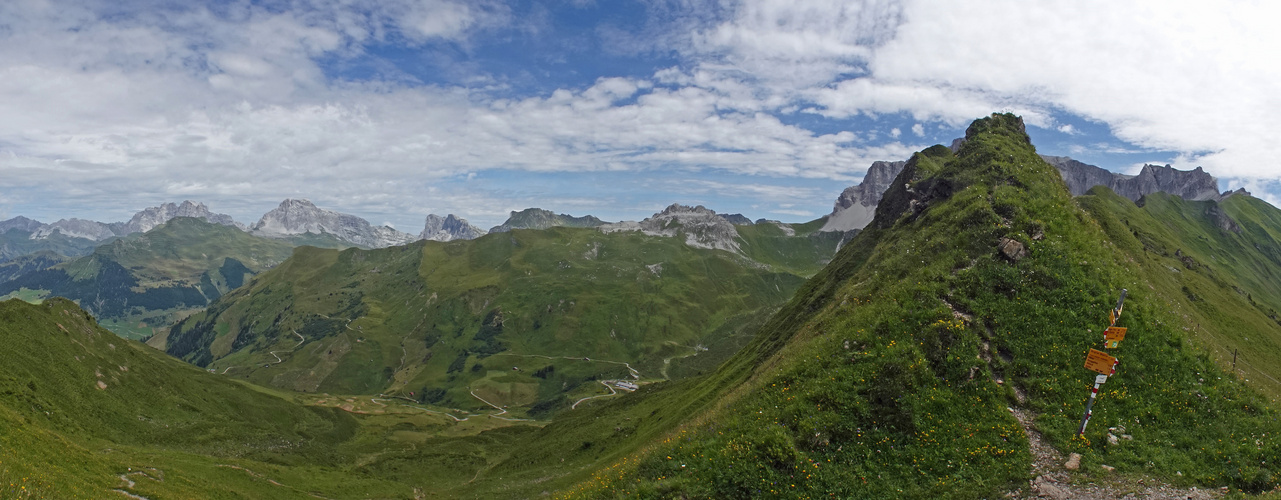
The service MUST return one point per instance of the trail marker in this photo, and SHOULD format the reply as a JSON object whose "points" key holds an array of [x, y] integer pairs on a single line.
{"points": [[1101, 362]]}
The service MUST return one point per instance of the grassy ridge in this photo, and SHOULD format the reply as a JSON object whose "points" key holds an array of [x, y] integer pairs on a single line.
{"points": [[889, 374]]}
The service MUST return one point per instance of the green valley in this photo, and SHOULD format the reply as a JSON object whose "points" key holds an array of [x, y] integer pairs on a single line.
{"points": [[530, 320]]}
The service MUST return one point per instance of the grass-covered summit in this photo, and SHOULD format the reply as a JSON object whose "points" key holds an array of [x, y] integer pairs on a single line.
{"points": [[899, 370]]}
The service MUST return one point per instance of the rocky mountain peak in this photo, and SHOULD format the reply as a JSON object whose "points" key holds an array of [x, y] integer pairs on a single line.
{"points": [[81, 228], [1195, 184], [151, 217], [294, 217], [449, 228], [701, 227], [537, 218], [856, 205], [22, 224]]}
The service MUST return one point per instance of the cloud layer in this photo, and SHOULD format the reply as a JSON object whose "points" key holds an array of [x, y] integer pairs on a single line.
{"points": [[106, 108]]}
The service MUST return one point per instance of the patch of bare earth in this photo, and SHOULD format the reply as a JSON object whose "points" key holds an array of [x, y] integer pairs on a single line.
{"points": [[1052, 479]]}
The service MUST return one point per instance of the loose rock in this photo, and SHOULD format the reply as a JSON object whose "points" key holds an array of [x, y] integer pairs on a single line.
{"points": [[1073, 462], [1012, 249]]}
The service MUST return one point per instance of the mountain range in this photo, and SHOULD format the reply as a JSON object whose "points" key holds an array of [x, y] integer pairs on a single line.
{"points": [[938, 353]]}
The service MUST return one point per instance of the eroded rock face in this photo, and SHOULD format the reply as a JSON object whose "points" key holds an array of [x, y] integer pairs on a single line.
{"points": [[449, 228], [294, 217], [149, 218], [1196, 184], [856, 205], [701, 227]]}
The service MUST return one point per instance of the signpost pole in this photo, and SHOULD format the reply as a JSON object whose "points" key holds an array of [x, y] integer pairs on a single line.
{"points": [[1101, 378]]}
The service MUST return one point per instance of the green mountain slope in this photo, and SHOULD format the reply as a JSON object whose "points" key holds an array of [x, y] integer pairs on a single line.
{"points": [[900, 369], [531, 319], [83, 412], [153, 277]]}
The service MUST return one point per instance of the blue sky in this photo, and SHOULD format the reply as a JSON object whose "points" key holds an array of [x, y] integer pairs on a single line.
{"points": [[395, 109]]}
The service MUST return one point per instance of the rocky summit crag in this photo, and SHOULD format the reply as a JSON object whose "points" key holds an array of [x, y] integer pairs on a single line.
{"points": [[1194, 185], [151, 217], [856, 206], [449, 228], [299, 217], [702, 227]]}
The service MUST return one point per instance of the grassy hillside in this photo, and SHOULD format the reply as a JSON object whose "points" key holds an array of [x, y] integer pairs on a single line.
{"points": [[527, 319], [82, 410], [148, 280], [899, 370]]}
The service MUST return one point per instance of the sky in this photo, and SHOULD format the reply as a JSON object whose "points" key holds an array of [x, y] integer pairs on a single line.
{"points": [[396, 109]]}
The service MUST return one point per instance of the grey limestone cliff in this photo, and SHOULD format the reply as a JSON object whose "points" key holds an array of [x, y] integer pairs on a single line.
{"points": [[856, 205], [449, 228], [296, 217], [1196, 184], [701, 227], [149, 218]]}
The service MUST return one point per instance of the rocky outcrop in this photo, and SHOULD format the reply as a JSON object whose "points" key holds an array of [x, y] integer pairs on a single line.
{"points": [[449, 228], [856, 206], [537, 218], [22, 224], [1194, 184], [149, 218], [80, 228], [701, 227], [295, 217]]}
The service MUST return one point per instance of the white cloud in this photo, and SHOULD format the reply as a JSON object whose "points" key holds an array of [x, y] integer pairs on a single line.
{"points": [[895, 132], [918, 130]]}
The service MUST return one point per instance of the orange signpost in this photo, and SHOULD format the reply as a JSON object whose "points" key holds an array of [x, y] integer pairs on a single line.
{"points": [[1102, 362], [1099, 361]]}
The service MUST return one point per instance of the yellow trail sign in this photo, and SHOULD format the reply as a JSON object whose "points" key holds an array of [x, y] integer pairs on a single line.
{"points": [[1115, 333], [1099, 361]]}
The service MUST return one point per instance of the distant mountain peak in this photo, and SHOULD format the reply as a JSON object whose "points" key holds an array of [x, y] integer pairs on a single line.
{"points": [[449, 228], [149, 218], [537, 218], [81, 228], [22, 224], [1195, 184], [701, 226], [301, 216], [856, 205]]}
